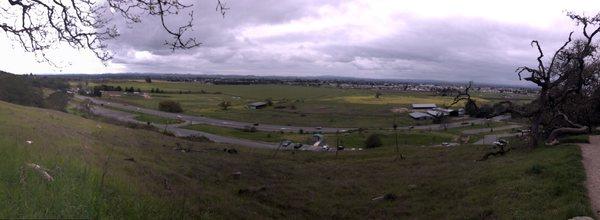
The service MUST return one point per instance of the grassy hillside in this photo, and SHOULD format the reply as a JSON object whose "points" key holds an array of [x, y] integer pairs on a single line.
{"points": [[106, 171]]}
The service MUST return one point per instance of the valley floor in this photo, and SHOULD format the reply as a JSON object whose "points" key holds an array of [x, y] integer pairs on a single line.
{"points": [[107, 171]]}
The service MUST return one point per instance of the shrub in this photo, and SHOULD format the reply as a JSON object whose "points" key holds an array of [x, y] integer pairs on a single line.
{"points": [[57, 101], [225, 105], [373, 141], [170, 106], [575, 139], [250, 129]]}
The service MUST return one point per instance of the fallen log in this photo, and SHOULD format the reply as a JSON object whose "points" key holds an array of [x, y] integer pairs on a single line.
{"points": [[553, 138]]}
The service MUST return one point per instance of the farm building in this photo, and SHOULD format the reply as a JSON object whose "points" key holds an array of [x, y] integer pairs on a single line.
{"points": [[420, 116], [447, 112], [424, 106], [443, 112], [436, 113], [257, 105]]}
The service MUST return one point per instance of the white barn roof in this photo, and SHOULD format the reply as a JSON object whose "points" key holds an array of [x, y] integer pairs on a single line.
{"points": [[419, 115]]}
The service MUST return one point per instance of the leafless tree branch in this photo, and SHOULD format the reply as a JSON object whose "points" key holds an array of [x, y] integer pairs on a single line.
{"points": [[83, 24]]}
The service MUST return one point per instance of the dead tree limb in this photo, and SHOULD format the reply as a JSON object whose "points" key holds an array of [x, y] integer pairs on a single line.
{"points": [[573, 129], [43, 172]]}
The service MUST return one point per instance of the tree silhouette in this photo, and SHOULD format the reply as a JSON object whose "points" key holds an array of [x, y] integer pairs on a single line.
{"points": [[84, 24]]}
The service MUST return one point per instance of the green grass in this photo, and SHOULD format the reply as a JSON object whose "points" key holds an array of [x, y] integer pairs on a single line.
{"points": [[431, 183], [299, 105], [575, 139], [257, 135]]}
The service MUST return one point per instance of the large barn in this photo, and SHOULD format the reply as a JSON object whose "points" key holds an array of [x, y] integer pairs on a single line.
{"points": [[420, 116]]}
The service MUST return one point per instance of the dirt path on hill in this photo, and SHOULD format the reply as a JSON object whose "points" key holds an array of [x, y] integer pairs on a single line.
{"points": [[591, 162]]}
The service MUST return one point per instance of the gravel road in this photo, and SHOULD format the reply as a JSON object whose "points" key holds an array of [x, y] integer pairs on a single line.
{"points": [[591, 162]]}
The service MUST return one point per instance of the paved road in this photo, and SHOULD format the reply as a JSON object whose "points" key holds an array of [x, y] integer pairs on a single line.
{"points": [[180, 132], [270, 127], [213, 121]]}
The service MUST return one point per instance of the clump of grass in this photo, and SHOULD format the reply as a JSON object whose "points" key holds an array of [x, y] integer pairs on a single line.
{"points": [[575, 139], [535, 169]]}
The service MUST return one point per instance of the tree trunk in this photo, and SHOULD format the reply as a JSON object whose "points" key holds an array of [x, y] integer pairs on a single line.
{"points": [[534, 135]]}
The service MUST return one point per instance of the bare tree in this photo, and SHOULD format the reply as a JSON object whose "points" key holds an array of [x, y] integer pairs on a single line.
{"points": [[560, 79], [84, 24], [470, 105]]}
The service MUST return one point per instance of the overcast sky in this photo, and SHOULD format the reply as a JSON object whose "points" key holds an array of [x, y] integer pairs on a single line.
{"points": [[457, 40]]}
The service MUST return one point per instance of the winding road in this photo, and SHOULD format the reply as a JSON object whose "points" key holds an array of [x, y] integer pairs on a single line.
{"points": [[178, 131]]}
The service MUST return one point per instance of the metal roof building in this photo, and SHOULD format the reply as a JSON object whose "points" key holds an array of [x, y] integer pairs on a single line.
{"points": [[424, 106], [420, 115]]}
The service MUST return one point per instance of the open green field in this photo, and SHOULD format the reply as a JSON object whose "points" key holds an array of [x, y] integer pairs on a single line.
{"points": [[107, 171], [292, 105]]}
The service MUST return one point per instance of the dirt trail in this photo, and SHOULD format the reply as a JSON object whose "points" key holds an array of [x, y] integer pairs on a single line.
{"points": [[591, 162]]}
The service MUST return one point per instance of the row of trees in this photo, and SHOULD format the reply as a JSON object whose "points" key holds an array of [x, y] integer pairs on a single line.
{"points": [[157, 90], [97, 90]]}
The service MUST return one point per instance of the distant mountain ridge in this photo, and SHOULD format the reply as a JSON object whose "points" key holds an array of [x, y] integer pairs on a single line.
{"points": [[272, 77]]}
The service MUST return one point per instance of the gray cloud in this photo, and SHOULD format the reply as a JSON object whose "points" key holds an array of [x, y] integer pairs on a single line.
{"points": [[446, 48]]}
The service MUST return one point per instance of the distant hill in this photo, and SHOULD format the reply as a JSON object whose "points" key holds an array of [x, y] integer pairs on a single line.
{"points": [[29, 90], [17, 89]]}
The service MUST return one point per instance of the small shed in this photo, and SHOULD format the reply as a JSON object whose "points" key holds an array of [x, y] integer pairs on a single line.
{"points": [[420, 116], [257, 105], [424, 106]]}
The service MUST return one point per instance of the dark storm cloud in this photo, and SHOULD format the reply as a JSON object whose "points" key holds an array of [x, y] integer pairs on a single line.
{"points": [[446, 48]]}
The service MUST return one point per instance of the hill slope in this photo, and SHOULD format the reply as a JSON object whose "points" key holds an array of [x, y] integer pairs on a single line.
{"points": [[107, 171]]}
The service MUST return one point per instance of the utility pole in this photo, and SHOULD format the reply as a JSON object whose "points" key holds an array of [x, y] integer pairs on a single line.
{"points": [[395, 127]]}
